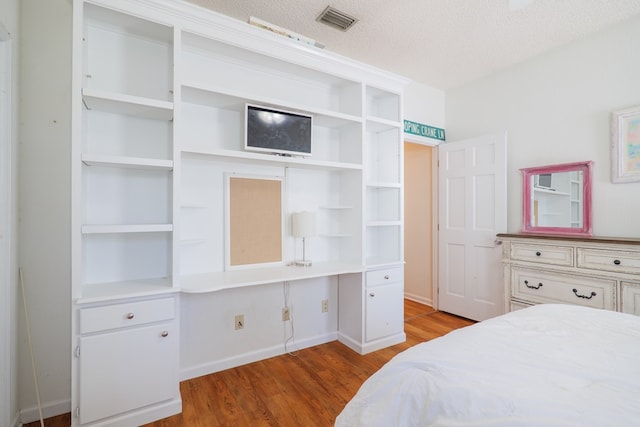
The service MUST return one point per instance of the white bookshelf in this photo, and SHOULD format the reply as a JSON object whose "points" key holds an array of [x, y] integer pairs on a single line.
{"points": [[159, 107]]}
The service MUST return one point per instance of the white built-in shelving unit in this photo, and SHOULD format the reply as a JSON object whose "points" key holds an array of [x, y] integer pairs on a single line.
{"points": [[160, 90]]}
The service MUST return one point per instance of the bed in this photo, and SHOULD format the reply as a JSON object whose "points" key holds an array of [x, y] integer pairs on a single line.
{"points": [[546, 365]]}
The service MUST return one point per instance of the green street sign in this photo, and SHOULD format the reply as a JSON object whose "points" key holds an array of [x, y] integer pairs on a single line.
{"points": [[420, 129]]}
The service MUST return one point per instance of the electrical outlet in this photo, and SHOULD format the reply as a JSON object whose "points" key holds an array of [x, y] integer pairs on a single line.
{"points": [[325, 305], [239, 321], [286, 314]]}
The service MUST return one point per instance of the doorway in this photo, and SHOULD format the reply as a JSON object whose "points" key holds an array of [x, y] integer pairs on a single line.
{"points": [[418, 220]]}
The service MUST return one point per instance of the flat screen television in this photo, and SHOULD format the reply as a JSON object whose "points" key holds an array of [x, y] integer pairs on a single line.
{"points": [[277, 131], [544, 180]]}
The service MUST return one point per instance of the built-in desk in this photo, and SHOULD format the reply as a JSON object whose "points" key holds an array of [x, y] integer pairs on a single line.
{"points": [[212, 282]]}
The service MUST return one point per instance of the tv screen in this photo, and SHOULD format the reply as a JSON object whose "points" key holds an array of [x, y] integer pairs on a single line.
{"points": [[277, 131], [544, 180]]}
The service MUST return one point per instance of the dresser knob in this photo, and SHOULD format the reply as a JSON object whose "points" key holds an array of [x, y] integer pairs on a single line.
{"points": [[386, 276], [538, 253], [616, 261], [165, 334], [130, 316], [372, 294]]}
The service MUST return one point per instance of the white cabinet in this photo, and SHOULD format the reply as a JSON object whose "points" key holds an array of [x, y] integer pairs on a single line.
{"points": [[597, 272], [124, 370], [127, 358], [159, 97], [371, 309], [384, 303]]}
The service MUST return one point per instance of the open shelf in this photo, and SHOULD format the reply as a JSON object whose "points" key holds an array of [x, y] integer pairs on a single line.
{"points": [[103, 292], [125, 228], [214, 123], [126, 162], [273, 160], [267, 77], [119, 103]]}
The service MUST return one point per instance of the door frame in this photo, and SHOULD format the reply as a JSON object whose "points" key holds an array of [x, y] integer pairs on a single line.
{"points": [[7, 318], [434, 210]]}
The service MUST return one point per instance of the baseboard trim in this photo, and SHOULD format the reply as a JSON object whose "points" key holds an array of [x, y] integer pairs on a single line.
{"points": [[373, 345], [49, 409], [16, 420], [144, 415], [420, 299], [187, 373]]}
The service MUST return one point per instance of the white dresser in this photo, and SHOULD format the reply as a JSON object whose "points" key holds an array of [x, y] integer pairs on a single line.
{"points": [[601, 272]]}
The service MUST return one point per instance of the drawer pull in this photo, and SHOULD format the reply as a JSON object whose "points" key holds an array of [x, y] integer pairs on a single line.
{"points": [[386, 277], [130, 316], [526, 283], [165, 334], [538, 253], [575, 291], [372, 294], [616, 262]]}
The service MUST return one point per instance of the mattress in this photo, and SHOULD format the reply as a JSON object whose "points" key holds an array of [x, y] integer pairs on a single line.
{"points": [[546, 365]]}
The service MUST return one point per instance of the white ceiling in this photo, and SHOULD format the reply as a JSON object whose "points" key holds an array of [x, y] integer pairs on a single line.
{"points": [[441, 43]]}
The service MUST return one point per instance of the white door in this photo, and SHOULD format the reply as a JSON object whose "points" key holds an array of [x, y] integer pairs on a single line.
{"points": [[472, 208]]}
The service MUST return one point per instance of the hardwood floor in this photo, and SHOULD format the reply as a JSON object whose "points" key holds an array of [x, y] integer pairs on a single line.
{"points": [[309, 388]]}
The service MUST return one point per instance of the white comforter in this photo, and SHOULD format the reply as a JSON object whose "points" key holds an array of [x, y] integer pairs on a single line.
{"points": [[547, 365]]}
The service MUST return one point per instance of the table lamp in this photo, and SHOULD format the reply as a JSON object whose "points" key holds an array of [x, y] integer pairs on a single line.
{"points": [[303, 225]]}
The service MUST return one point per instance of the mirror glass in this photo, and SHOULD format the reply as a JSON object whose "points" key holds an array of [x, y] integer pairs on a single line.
{"points": [[557, 199]]}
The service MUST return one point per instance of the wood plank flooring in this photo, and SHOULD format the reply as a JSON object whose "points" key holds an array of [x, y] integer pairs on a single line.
{"points": [[309, 388]]}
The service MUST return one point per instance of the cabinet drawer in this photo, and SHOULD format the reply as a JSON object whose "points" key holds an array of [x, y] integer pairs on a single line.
{"points": [[386, 275], [114, 316], [540, 286], [630, 298], [620, 261], [544, 254]]}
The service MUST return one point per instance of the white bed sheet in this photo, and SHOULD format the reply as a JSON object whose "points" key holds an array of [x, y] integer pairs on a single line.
{"points": [[547, 365]]}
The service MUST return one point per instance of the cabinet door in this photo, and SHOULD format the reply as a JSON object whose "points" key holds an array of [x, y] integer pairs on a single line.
{"points": [[630, 298], [128, 369], [384, 311]]}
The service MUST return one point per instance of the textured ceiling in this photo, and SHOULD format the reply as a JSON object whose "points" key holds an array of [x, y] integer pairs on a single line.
{"points": [[441, 43]]}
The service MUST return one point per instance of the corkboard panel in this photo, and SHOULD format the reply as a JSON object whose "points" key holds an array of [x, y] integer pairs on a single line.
{"points": [[255, 221]]}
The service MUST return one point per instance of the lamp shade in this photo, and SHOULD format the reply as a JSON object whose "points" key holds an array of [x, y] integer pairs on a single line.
{"points": [[303, 224]]}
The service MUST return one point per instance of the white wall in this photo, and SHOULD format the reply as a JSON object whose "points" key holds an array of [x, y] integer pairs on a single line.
{"points": [[424, 104], [8, 216], [45, 112], [556, 109]]}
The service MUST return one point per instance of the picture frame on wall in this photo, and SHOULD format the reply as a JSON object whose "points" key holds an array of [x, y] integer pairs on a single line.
{"points": [[625, 145]]}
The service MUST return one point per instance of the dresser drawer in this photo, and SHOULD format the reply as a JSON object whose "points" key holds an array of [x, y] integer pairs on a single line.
{"points": [[541, 286], [544, 254], [598, 259], [114, 316], [384, 276]]}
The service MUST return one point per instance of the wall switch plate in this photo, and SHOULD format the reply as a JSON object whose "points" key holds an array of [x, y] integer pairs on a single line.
{"points": [[325, 305], [286, 314], [239, 321]]}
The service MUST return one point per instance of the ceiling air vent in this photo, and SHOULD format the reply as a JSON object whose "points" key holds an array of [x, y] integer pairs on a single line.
{"points": [[336, 19]]}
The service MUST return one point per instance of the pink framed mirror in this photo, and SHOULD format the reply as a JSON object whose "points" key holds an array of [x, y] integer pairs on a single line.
{"points": [[557, 199]]}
